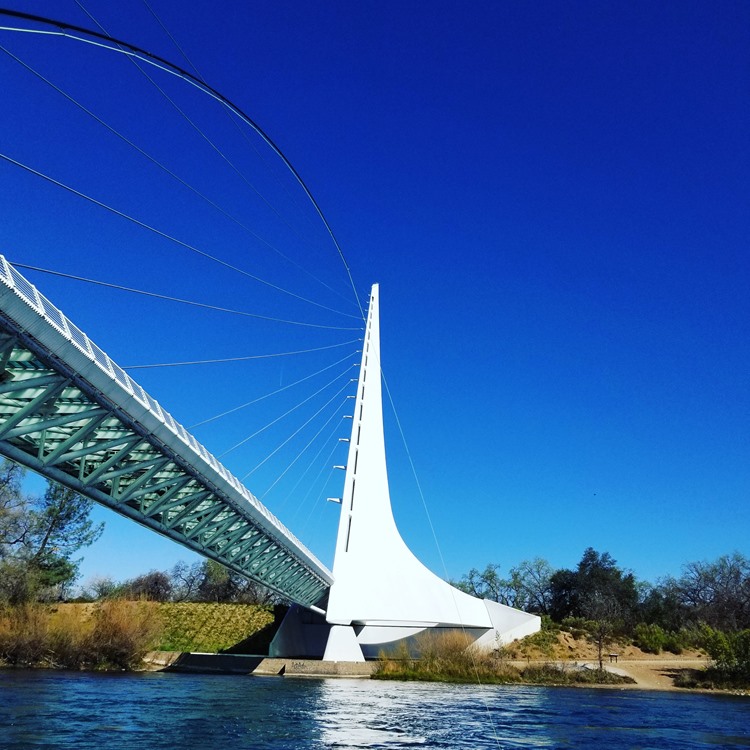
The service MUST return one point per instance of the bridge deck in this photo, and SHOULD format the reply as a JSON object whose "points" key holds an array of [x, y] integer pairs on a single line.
{"points": [[68, 412]]}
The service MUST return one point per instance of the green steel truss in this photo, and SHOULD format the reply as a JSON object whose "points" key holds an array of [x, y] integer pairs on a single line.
{"points": [[72, 415]]}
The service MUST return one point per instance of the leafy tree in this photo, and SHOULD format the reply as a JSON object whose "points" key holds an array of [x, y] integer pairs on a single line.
{"points": [[662, 606], [597, 576], [564, 595], [39, 536], [730, 653]]}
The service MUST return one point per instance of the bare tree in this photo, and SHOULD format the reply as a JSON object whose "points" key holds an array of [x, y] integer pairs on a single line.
{"points": [[603, 613]]}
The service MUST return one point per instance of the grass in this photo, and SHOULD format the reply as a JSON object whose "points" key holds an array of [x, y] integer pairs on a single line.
{"points": [[711, 678], [209, 627], [449, 657]]}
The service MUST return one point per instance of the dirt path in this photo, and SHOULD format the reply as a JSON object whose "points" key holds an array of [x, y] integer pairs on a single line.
{"points": [[649, 674], [657, 674]]}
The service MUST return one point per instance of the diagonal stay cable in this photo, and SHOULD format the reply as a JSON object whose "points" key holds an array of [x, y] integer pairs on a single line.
{"points": [[267, 395], [439, 549], [295, 433], [166, 235], [240, 359], [302, 451], [166, 297], [313, 506], [313, 462], [281, 416]]}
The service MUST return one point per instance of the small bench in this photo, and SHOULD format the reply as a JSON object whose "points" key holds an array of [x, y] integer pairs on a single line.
{"points": [[613, 657]]}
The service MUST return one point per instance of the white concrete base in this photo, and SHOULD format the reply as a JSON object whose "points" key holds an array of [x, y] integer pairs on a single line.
{"points": [[342, 645]]}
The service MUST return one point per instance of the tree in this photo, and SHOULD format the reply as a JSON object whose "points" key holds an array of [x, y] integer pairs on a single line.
{"points": [[219, 584], [531, 582], [716, 593], [155, 586], [602, 612], [39, 536], [597, 575], [12, 506], [487, 585], [186, 580]]}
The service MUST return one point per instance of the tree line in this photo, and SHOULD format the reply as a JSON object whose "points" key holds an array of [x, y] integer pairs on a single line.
{"points": [[715, 593], [706, 607]]}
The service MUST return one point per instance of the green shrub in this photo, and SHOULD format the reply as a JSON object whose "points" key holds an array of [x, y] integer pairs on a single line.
{"points": [[730, 653], [578, 627], [649, 638], [675, 642]]}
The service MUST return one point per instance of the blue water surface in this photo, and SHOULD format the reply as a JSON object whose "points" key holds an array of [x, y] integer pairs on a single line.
{"points": [[40, 709]]}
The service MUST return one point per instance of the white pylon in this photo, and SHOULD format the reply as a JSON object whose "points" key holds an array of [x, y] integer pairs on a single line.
{"points": [[381, 592]]}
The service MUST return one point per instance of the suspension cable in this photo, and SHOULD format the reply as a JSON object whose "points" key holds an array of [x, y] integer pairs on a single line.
{"points": [[73, 32], [166, 169], [241, 131]]}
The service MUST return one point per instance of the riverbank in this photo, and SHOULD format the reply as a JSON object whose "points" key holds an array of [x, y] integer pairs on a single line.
{"points": [[646, 673]]}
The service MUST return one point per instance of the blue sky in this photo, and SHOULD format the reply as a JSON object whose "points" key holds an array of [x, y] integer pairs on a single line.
{"points": [[553, 198]]}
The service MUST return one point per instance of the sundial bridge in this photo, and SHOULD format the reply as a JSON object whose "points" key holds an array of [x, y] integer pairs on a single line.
{"points": [[73, 415]]}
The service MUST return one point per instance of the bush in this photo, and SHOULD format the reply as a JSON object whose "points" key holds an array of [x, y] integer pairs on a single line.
{"points": [[122, 634], [649, 638], [675, 643], [445, 657], [578, 627], [730, 653], [24, 635], [116, 635], [450, 657]]}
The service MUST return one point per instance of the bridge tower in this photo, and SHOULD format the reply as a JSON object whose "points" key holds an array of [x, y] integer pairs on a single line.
{"points": [[382, 593]]}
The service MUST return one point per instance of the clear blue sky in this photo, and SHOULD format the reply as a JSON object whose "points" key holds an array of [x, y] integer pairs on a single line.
{"points": [[553, 197]]}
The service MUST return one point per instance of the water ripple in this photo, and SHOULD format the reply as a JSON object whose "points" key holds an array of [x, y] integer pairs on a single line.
{"points": [[151, 711]]}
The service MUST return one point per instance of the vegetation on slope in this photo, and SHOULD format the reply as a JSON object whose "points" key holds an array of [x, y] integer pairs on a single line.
{"points": [[209, 627], [117, 634], [112, 635]]}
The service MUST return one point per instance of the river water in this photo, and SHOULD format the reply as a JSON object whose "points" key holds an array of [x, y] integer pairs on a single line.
{"points": [[40, 709]]}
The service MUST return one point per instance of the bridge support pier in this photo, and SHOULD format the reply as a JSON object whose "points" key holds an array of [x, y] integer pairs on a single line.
{"points": [[342, 645]]}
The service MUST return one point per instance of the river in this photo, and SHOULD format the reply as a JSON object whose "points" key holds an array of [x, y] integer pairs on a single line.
{"points": [[46, 709]]}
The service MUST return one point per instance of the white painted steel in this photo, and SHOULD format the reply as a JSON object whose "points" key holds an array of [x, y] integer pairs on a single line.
{"points": [[379, 585]]}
